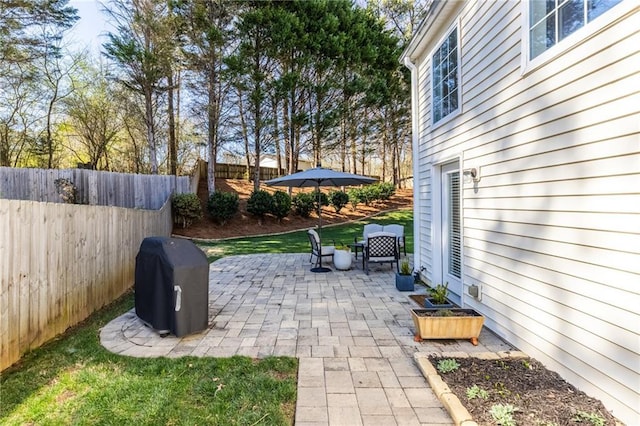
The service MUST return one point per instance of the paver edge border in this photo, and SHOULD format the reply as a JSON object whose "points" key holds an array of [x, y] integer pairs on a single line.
{"points": [[453, 405]]}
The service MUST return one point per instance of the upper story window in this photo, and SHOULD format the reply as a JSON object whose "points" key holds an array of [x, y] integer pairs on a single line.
{"points": [[445, 77], [550, 21]]}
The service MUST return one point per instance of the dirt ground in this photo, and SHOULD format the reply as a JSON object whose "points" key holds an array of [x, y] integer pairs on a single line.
{"points": [[243, 224]]}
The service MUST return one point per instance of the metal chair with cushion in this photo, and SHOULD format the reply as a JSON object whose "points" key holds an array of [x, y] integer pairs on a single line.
{"points": [[398, 230], [370, 228], [380, 247], [316, 247]]}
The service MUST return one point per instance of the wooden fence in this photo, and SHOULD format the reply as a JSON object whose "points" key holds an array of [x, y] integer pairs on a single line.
{"points": [[61, 262], [93, 187], [239, 171]]}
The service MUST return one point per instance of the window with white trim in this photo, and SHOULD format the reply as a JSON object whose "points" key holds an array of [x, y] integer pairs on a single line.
{"points": [[550, 21], [444, 81]]}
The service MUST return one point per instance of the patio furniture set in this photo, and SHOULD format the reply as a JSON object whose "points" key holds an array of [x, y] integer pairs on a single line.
{"points": [[379, 244]]}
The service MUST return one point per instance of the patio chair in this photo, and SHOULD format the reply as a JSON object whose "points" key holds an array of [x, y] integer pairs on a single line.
{"points": [[368, 229], [380, 247], [399, 231], [314, 240]]}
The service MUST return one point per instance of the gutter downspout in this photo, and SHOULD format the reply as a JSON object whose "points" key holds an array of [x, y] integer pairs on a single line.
{"points": [[415, 139]]}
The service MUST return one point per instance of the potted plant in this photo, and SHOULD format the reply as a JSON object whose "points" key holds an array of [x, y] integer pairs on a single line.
{"points": [[438, 297], [342, 257], [404, 279], [454, 323]]}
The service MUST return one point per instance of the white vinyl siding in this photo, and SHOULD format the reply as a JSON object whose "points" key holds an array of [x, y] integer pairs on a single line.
{"points": [[551, 230]]}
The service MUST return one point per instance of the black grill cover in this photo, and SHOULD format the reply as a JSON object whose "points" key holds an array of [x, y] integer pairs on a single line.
{"points": [[172, 285]]}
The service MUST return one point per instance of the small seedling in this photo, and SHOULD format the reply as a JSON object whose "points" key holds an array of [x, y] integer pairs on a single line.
{"points": [[593, 418], [526, 364], [503, 365], [503, 414], [447, 365], [444, 313], [476, 391], [501, 389], [439, 293]]}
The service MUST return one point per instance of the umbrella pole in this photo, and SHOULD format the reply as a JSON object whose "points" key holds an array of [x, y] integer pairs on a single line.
{"points": [[320, 268]]}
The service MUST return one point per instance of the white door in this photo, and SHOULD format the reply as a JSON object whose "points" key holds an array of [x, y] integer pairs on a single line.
{"points": [[451, 250]]}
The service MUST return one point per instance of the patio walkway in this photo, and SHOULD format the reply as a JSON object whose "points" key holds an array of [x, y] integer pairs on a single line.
{"points": [[352, 333]]}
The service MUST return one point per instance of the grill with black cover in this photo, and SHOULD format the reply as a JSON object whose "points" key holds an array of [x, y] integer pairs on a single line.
{"points": [[172, 286]]}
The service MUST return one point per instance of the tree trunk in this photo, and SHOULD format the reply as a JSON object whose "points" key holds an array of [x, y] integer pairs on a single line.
{"points": [[151, 134], [276, 133], [173, 145], [286, 127], [213, 111], [245, 135]]}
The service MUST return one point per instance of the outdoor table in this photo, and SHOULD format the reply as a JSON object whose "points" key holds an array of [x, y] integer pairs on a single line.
{"points": [[358, 245]]}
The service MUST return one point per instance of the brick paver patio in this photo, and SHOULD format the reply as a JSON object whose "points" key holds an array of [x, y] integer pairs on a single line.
{"points": [[352, 332]]}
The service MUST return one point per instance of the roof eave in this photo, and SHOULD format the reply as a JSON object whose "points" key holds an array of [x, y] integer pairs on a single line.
{"points": [[438, 11]]}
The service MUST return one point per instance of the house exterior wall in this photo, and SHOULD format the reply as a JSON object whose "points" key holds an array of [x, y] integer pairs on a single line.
{"points": [[551, 232]]}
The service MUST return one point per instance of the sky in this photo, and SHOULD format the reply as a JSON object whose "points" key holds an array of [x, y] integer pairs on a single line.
{"points": [[89, 30]]}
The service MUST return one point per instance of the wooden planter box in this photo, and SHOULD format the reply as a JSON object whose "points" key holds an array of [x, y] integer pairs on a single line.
{"points": [[463, 324]]}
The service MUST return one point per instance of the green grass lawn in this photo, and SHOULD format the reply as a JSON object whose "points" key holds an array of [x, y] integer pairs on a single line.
{"points": [[297, 242], [74, 380]]}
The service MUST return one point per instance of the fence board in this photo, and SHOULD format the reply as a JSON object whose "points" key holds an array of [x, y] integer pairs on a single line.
{"points": [[93, 187], [61, 262]]}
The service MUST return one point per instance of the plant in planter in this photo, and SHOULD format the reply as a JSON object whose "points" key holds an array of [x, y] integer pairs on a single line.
{"points": [[404, 279], [453, 323], [438, 297], [342, 257]]}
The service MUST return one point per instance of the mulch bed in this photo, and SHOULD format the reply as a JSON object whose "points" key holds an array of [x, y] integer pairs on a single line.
{"points": [[243, 224], [541, 397]]}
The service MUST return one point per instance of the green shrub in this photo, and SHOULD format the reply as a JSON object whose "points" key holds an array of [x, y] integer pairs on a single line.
{"points": [[338, 199], [303, 204], [186, 209], [260, 202], [281, 204], [223, 205], [355, 197], [386, 190], [369, 194]]}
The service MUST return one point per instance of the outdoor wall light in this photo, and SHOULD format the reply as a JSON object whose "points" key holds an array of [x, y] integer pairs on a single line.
{"points": [[471, 175]]}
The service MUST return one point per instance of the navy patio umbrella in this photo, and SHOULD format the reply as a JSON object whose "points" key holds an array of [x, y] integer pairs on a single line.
{"points": [[317, 177]]}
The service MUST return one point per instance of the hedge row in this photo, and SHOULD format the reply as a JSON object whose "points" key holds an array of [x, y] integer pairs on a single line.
{"points": [[222, 206]]}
